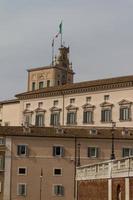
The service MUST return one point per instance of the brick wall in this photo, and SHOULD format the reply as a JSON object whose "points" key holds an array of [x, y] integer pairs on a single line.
{"points": [[93, 190], [115, 183], [131, 187]]}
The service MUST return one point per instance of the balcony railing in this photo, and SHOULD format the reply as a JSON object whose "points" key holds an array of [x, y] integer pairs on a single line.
{"points": [[108, 169]]}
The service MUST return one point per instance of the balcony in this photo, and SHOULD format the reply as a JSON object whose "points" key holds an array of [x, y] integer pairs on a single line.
{"points": [[108, 169]]}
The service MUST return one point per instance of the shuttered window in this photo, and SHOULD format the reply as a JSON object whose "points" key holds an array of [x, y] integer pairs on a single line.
{"points": [[106, 115], [124, 113], [58, 190], [71, 117], [93, 152], [87, 117], [126, 152], [54, 120], [22, 150], [58, 151], [39, 120], [22, 189]]}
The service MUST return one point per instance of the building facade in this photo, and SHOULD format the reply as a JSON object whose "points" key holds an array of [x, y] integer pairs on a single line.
{"points": [[42, 161], [56, 125]]}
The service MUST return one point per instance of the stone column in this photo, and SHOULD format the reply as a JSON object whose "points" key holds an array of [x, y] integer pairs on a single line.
{"points": [[109, 189], [127, 190]]}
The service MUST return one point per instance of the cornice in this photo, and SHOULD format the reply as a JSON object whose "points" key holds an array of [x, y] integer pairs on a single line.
{"points": [[75, 88]]}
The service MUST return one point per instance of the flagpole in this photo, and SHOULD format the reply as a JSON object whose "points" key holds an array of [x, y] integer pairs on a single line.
{"points": [[61, 38], [53, 52]]}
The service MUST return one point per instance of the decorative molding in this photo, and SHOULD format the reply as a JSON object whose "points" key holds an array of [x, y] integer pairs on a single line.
{"points": [[26, 111], [40, 110], [55, 109], [88, 106], [72, 107], [125, 102], [106, 104], [83, 87]]}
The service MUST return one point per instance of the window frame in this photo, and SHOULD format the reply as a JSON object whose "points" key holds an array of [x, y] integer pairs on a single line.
{"points": [[89, 153], [62, 151], [122, 115], [130, 153], [72, 120], [18, 189], [54, 171], [86, 117], [58, 185], [39, 119], [20, 173], [26, 150], [106, 118], [55, 118]]}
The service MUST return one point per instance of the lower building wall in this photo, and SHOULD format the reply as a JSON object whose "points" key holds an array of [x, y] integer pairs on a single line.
{"points": [[93, 190], [116, 183], [131, 187]]}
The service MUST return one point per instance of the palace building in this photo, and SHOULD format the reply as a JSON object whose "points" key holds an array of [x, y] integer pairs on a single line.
{"points": [[57, 125]]}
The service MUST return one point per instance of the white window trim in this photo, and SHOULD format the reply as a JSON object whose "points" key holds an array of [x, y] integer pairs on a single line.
{"points": [[53, 190], [23, 155], [58, 156], [25, 189], [57, 174], [22, 174]]}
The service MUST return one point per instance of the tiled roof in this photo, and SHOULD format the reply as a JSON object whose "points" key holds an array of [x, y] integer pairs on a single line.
{"points": [[94, 85], [79, 132], [9, 101]]}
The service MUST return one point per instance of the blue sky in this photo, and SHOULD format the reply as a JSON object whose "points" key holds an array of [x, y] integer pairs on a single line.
{"points": [[99, 33]]}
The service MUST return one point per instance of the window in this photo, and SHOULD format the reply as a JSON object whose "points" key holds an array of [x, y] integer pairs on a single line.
{"points": [[27, 105], [22, 171], [58, 151], [106, 97], [88, 99], [58, 190], [124, 113], [71, 117], [48, 83], [1, 162], [33, 86], [54, 121], [106, 115], [93, 152], [2, 141], [55, 103], [39, 119], [22, 189], [27, 119], [57, 172], [22, 150], [72, 100], [126, 152], [40, 85], [87, 117], [40, 104]]}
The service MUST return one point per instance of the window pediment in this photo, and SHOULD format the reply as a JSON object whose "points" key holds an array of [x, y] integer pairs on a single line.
{"points": [[125, 102], [55, 109], [27, 111], [71, 107], [40, 110], [106, 104], [88, 106]]}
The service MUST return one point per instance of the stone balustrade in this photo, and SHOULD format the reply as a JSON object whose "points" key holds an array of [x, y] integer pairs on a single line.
{"points": [[107, 169]]}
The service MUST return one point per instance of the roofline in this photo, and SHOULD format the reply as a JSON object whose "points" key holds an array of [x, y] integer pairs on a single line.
{"points": [[10, 101], [74, 133], [80, 87]]}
